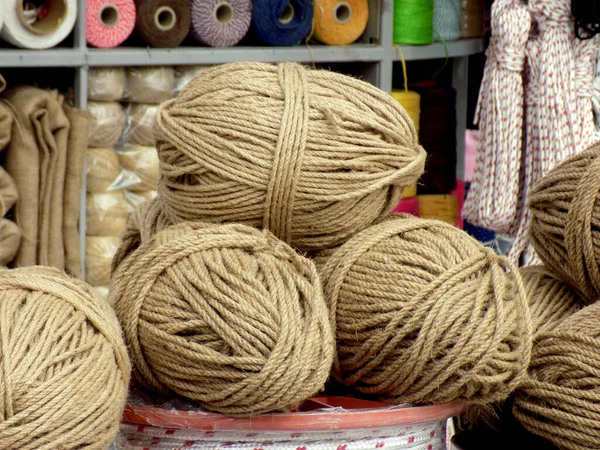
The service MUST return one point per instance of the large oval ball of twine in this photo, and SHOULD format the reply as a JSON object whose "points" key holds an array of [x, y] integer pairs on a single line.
{"points": [[311, 155], [426, 314], [64, 369], [565, 224], [560, 400], [180, 297]]}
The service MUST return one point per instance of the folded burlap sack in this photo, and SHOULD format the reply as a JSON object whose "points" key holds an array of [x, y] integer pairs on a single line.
{"points": [[36, 160], [77, 145], [8, 191], [10, 239]]}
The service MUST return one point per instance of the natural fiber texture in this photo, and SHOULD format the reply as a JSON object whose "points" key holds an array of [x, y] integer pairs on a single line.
{"points": [[180, 297], [6, 122], [65, 370], [101, 293], [8, 191], [106, 84], [108, 121], [107, 213], [36, 160], [440, 207], [426, 314], [560, 401], [102, 170], [143, 163], [551, 300], [565, 224], [99, 252], [140, 125], [312, 155], [10, 239], [150, 84], [76, 147]]}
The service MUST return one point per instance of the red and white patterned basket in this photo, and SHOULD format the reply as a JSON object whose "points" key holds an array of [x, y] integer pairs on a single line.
{"points": [[324, 423]]}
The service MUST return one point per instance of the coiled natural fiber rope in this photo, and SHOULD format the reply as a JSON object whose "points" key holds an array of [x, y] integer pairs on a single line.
{"points": [[565, 224], [180, 297], [311, 155], [560, 401], [64, 369], [426, 314]]}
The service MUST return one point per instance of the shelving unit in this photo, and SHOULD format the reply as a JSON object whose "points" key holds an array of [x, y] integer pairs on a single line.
{"points": [[373, 58]]}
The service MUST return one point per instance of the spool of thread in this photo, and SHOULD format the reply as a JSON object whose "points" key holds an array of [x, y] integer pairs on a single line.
{"points": [[425, 314], [141, 121], [106, 84], [446, 20], [163, 23], [150, 84], [282, 22], [99, 252], [109, 22], [360, 177], [66, 350], [411, 102], [559, 400], [340, 22], [185, 74], [472, 21], [29, 28], [563, 229], [107, 213], [408, 206], [220, 23], [413, 22], [439, 207], [186, 343], [143, 162], [108, 121], [102, 169], [551, 300]]}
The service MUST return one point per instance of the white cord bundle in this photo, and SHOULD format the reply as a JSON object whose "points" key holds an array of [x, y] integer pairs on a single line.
{"points": [[492, 200], [596, 96], [555, 118], [586, 52]]}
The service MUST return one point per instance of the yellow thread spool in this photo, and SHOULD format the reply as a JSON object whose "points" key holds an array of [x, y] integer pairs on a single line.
{"points": [[340, 22], [440, 207]]}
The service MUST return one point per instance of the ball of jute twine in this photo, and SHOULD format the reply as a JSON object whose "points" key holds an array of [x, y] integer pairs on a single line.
{"points": [[143, 162], [423, 313], [99, 252], [64, 369], [311, 155], [560, 400], [180, 296], [108, 121], [107, 213], [102, 169], [565, 224], [140, 124]]}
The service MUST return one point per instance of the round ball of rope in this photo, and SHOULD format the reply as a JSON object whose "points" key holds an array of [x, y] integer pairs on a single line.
{"points": [[311, 155], [425, 314], [64, 370], [179, 297]]}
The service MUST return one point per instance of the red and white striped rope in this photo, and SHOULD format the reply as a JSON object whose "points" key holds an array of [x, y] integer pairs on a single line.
{"points": [[493, 197]]}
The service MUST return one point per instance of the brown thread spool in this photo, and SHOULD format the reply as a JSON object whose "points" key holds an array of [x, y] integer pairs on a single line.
{"points": [[472, 18], [163, 23]]}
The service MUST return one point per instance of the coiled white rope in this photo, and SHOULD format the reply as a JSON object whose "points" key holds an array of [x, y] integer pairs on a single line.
{"points": [[492, 200]]}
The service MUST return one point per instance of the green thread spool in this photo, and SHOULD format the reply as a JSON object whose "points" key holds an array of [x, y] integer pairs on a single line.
{"points": [[413, 22]]}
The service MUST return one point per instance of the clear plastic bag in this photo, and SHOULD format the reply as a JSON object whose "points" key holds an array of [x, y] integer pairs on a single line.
{"points": [[185, 74], [108, 121], [140, 124], [107, 213], [150, 84], [106, 84], [143, 163], [99, 252]]}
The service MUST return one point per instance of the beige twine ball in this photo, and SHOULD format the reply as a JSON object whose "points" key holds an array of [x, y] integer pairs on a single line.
{"points": [[102, 169], [108, 121], [143, 162], [185, 74], [64, 370], [180, 298], [565, 221], [150, 84], [140, 125], [426, 314], [107, 213], [106, 84], [101, 293], [311, 155], [99, 252], [560, 400]]}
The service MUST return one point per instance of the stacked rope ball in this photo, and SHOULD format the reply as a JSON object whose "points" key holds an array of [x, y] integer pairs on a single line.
{"points": [[64, 370], [285, 148], [424, 314], [180, 297]]}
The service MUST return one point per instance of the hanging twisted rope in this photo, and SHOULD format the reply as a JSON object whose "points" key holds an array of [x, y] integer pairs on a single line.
{"points": [[492, 200]]}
